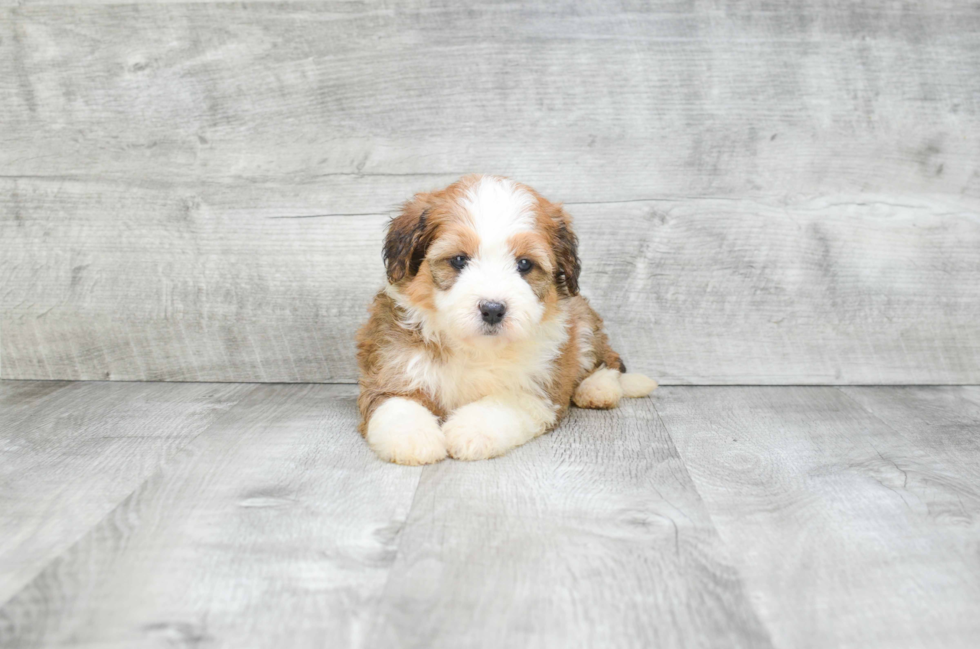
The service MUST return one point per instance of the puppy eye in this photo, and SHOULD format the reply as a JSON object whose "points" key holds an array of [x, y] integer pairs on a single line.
{"points": [[524, 266], [459, 262]]}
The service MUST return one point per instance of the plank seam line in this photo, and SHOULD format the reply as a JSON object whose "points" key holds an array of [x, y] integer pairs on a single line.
{"points": [[382, 595], [345, 174], [727, 548], [322, 216], [662, 384], [152, 474], [662, 199]]}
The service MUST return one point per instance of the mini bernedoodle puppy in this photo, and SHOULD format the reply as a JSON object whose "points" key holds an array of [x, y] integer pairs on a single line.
{"points": [[480, 338]]}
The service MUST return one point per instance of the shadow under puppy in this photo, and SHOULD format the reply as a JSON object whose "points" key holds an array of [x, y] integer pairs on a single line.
{"points": [[480, 339]]}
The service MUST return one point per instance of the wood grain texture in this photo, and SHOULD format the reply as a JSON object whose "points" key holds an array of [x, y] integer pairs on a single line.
{"points": [[847, 531], [785, 517], [941, 422], [69, 453], [207, 283], [275, 528], [584, 100], [592, 536], [144, 148]]}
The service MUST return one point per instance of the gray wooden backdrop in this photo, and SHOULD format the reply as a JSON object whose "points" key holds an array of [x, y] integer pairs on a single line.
{"points": [[765, 192]]}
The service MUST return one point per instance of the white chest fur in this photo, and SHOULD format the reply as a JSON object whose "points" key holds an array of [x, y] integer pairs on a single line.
{"points": [[472, 372]]}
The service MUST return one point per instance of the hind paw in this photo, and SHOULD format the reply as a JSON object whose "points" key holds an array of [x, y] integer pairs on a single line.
{"points": [[637, 385], [601, 389]]}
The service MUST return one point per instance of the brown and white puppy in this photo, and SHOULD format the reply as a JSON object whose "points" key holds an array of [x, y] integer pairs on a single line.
{"points": [[480, 340]]}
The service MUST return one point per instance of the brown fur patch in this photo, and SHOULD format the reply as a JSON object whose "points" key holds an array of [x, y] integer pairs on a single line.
{"points": [[406, 239], [583, 312], [410, 233], [420, 289], [379, 341], [454, 239], [568, 370], [554, 222], [534, 247], [565, 377]]}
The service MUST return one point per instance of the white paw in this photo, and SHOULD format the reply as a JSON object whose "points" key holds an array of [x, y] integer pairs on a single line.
{"points": [[405, 432], [479, 431], [637, 385], [601, 389]]}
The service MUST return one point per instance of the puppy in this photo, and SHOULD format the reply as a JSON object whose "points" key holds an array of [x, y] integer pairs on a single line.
{"points": [[480, 339]]}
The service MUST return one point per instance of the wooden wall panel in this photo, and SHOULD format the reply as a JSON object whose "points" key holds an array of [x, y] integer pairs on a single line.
{"points": [[210, 282], [776, 195]]}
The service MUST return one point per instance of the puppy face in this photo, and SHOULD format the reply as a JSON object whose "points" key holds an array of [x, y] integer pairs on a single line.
{"points": [[484, 261]]}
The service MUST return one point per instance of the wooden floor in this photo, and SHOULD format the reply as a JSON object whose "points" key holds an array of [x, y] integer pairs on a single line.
{"points": [[242, 515]]}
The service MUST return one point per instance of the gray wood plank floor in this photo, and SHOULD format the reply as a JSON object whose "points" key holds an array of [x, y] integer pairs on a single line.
{"points": [[156, 514], [69, 452], [848, 532], [593, 536]]}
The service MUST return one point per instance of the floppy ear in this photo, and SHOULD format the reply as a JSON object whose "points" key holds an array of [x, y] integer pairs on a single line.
{"points": [[565, 245], [407, 239]]}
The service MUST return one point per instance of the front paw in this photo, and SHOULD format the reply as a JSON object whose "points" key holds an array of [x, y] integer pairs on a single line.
{"points": [[405, 432], [474, 433]]}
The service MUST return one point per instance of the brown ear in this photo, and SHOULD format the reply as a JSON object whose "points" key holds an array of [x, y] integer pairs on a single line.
{"points": [[565, 245], [407, 239]]}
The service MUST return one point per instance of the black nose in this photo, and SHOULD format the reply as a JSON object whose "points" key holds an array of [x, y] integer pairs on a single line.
{"points": [[493, 312]]}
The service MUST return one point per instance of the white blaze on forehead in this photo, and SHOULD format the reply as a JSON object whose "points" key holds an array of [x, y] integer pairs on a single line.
{"points": [[498, 209]]}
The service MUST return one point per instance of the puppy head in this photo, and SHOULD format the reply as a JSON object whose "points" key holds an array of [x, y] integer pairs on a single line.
{"points": [[485, 260]]}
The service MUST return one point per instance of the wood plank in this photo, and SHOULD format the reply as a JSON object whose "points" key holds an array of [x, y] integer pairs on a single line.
{"points": [[71, 452], [275, 528], [206, 282], [943, 422], [592, 536], [138, 166], [586, 101], [847, 533]]}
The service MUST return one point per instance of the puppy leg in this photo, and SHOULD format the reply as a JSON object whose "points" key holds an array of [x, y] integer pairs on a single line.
{"points": [[405, 432], [609, 383], [601, 389], [494, 425]]}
